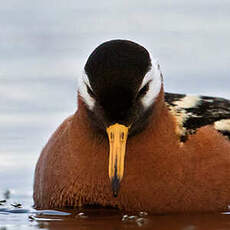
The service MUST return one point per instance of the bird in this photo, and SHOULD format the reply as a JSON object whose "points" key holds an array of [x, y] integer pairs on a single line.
{"points": [[134, 147]]}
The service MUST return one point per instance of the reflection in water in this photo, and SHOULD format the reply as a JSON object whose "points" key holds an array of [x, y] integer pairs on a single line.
{"points": [[114, 221], [99, 218]]}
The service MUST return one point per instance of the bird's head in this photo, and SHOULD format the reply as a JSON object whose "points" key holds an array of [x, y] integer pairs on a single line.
{"points": [[119, 86]]}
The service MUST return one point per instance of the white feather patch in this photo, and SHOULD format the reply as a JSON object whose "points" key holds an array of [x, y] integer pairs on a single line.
{"points": [[153, 77], [222, 125], [83, 82], [180, 113], [188, 101]]}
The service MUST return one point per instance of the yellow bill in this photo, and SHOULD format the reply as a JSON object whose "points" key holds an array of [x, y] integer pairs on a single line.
{"points": [[117, 134]]}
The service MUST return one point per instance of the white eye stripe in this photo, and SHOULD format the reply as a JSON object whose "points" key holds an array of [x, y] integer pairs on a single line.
{"points": [[83, 83], [145, 88], [154, 79], [147, 78], [85, 79]]}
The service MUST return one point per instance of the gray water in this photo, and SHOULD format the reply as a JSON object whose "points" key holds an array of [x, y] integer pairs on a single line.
{"points": [[44, 45]]}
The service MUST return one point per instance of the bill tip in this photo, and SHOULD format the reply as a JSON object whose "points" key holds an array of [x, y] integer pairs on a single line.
{"points": [[115, 186]]}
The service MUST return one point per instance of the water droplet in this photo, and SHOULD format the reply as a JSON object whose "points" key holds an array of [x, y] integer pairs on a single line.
{"points": [[82, 215], [132, 217], [124, 218], [142, 214], [140, 221]]}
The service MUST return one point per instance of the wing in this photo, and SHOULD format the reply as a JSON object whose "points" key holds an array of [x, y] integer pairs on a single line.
{"points": [[193, 112]]}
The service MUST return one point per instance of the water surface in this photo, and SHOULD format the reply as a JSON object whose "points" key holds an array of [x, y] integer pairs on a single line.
{"points": [[24, 217]]}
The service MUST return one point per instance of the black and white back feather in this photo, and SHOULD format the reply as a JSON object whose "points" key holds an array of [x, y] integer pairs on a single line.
{"points": [[194, 112]]}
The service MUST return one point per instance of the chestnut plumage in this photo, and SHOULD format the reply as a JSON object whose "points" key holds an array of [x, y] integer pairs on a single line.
{"points": [[130, 145]]}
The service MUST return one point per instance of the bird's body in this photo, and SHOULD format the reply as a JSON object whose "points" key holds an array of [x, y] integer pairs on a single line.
{"points": [[177, 159]]}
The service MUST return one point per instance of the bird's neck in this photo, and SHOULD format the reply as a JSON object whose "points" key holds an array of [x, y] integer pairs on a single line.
{"points": [[161, 125], [160, 121], [156, 143]]}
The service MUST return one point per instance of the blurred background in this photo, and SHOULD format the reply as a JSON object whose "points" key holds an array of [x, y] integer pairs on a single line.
{"points": [[44, 45]]}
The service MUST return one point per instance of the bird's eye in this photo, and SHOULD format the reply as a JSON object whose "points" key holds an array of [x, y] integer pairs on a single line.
{"points": [[143, 91], [90, 92]]}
